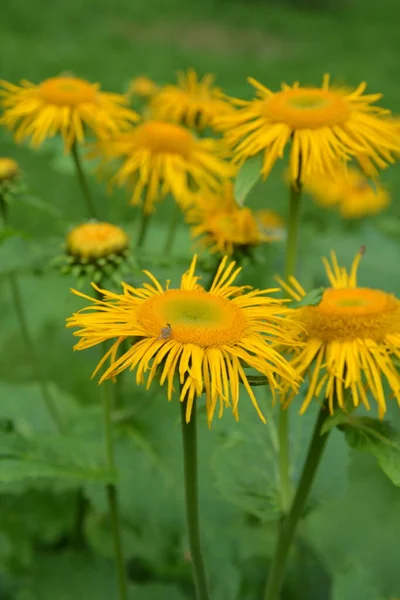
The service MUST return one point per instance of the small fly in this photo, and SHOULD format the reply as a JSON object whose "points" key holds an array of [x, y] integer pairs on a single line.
{"points": [[165, 332]]}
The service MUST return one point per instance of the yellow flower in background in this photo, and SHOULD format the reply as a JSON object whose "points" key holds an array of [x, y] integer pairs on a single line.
{"points": [[62, 105], [193, 101], [96, 240], [96, 251], [205, 338], [325, 127], [9, 169], [222, 224], [350, 192], [270, 224], [142, 87], [351, 342], [162, 158]]}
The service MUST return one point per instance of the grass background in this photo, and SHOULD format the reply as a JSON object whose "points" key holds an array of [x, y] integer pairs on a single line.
{"points": [[351, 541]]}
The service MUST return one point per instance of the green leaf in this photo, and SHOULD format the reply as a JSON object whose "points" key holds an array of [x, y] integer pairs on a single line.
{"points": [[248, 175], [25, 407], [313, 298], [354, 583], [378, 438], [51, 456]]}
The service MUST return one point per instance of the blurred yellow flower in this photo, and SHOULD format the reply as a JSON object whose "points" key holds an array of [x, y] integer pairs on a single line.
{"points": [[142, 87], [193, 101], [352, 339], [162, 158], [8, 169], [270, 224], [350, 192], [222, 224], [325, 127], [62, 105], [96, 240], [204, 338]]}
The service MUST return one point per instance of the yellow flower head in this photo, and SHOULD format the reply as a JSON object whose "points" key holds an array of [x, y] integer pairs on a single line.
{"points": [[64, 105], [222, 225], [270, 224], [9, 169], [193, 101], [205, 338], [161, 158], [96, 240], [349, 191], [142, 87], [352, 339], [324, 126]]}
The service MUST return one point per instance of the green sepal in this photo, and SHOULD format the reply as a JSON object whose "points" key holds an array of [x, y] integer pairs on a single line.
{"points": [[313, 298]]}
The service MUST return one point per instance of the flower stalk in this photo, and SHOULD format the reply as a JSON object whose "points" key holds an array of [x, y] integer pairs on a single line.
{"points": [[289, 524], [283, 419], [27, 337], [92, 212], [189, 437]]}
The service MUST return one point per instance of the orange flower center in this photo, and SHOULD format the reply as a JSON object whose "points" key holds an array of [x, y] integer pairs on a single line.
{"points": [[352, 313], [67, 91], [193, 317], [307, 108], [167, 138]]}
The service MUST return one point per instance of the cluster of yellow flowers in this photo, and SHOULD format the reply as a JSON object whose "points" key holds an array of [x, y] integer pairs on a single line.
{"points": [[189, 142]]}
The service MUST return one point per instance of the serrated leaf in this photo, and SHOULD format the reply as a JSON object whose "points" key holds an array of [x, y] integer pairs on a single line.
{"points": [[378, 438], [51, 456], [248, 175], [313, 298]]}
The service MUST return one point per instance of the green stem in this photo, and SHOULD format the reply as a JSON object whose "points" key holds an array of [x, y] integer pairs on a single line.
{"points": [[283, 419], [144, 224], [82, 182], [19, 308], [112, 495], [293, 226], [290, 522], [189, 436], [26, 336], [173, 224]]}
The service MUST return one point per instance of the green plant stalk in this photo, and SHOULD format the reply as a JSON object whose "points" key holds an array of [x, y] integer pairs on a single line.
{"points": [[143, 229], [290, 522], [26, 336], [19, 309], [283, 420], [83, 182], [189, 437], [173, 224], [112, 495]]}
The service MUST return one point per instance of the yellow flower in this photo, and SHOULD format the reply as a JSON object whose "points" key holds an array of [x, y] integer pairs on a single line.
{"points": [[8, 169], [96, 240], [352, 339], [193, 101], [270, 224], [223, 225], [324, 126], [64, 105], [206, 338], [142, 87], [161, 158], [349, 191]]}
